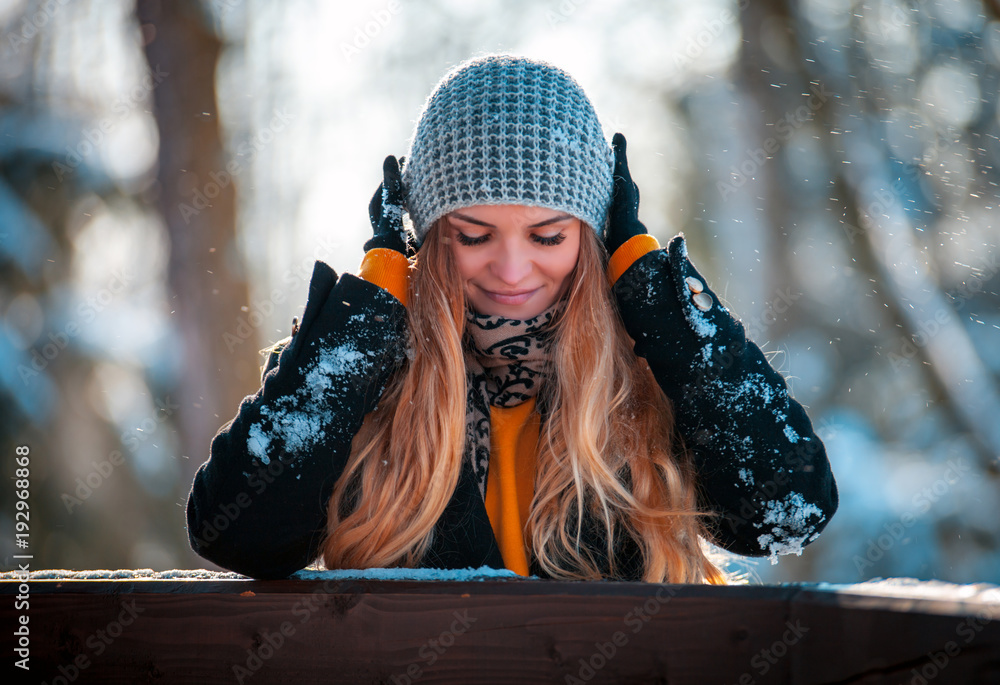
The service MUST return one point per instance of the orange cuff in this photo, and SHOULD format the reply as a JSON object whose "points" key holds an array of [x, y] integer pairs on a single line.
{"points": [[388, 269], [628, 253]]}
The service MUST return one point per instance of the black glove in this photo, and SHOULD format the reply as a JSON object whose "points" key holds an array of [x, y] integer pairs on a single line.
{"points": [[386, 211], [624, 212]]}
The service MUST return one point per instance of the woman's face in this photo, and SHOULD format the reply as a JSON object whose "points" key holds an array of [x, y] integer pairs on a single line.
{"points": [[515, 261]]}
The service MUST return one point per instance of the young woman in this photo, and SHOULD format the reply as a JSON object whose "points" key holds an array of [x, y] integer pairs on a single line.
{"points": [[523, 379]]}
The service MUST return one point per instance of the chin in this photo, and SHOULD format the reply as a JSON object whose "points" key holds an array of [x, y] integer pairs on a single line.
{"points": [[481, 303], [520, 312]]}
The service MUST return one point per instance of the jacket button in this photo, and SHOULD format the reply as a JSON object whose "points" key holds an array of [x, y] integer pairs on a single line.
{"points": [[694, 285], [702, 301]]}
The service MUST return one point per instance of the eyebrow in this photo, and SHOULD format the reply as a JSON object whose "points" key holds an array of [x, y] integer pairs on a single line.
{"points": [[540, 224]]}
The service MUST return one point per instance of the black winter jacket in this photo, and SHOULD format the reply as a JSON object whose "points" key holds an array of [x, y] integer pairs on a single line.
{"points": [[258, 506]]}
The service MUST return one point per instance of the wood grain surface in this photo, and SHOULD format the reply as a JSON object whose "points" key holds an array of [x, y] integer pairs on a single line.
{"points": [[495, 631]]}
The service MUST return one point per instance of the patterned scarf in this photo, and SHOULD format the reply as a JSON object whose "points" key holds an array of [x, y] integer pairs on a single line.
{"points": [[506, 362]]}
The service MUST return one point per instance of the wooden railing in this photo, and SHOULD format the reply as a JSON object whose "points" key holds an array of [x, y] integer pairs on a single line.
{"points": [[202, 627]]}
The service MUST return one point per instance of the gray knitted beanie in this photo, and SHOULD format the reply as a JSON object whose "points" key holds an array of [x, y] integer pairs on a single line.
{"points": [[503, 129]]}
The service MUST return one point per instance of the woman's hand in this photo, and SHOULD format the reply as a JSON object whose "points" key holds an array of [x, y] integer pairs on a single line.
{"points": [[386, 211], [624, 213]]}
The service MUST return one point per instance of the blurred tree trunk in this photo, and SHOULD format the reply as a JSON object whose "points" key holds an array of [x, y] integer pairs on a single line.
{"points": [[883, 247], [206, 276], [756, 74]]}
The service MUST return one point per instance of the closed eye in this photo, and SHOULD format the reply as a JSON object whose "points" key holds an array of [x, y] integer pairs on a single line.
{"points": [[469, 240], [549, 241]]}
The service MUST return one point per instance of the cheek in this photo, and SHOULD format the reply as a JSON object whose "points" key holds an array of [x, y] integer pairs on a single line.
{"points": [[564, 265], [465, 264]]}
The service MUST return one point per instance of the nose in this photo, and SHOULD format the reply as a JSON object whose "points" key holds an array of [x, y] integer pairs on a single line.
{"points": [[512, 264]]}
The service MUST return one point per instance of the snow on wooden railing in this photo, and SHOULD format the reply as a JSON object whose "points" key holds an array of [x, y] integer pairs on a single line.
{"points": [[400, 626]]}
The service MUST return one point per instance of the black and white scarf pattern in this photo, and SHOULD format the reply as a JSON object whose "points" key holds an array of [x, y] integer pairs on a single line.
{"points": [[506, 362]]}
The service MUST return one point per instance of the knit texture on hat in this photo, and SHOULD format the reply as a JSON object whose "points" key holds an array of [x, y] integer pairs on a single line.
{"points": [[503, 129]]}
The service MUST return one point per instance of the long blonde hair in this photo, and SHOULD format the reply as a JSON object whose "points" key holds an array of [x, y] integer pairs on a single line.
{"points": [[606, 448]]}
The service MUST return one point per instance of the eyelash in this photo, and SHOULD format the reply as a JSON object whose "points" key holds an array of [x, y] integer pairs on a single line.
{"points": [[466, 240], [550, 241], [547, 241]]}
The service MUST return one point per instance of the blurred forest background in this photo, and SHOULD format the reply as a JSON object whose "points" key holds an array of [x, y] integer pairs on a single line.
{"points": [[169, 171]]}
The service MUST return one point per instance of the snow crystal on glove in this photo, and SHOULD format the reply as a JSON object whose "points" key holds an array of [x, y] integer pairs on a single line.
{"points": [[792, 436], [752, 394], [297, 421], [701, 325], [791, 531], [393, 212], [699, 322]]}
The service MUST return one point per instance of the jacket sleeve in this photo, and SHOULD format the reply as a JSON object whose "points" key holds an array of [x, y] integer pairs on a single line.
{"points": [[258, 506], [760, 465]]}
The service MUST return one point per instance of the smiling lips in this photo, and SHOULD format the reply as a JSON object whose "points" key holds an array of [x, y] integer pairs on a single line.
{"points": [[513, 297]]}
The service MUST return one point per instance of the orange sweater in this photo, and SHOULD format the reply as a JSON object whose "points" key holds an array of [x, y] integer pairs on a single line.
{"points": [[510, 485]]}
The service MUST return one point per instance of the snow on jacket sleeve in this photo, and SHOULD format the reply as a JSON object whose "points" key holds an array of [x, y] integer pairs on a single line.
{"points": [[258, 505], [760, 465]]}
